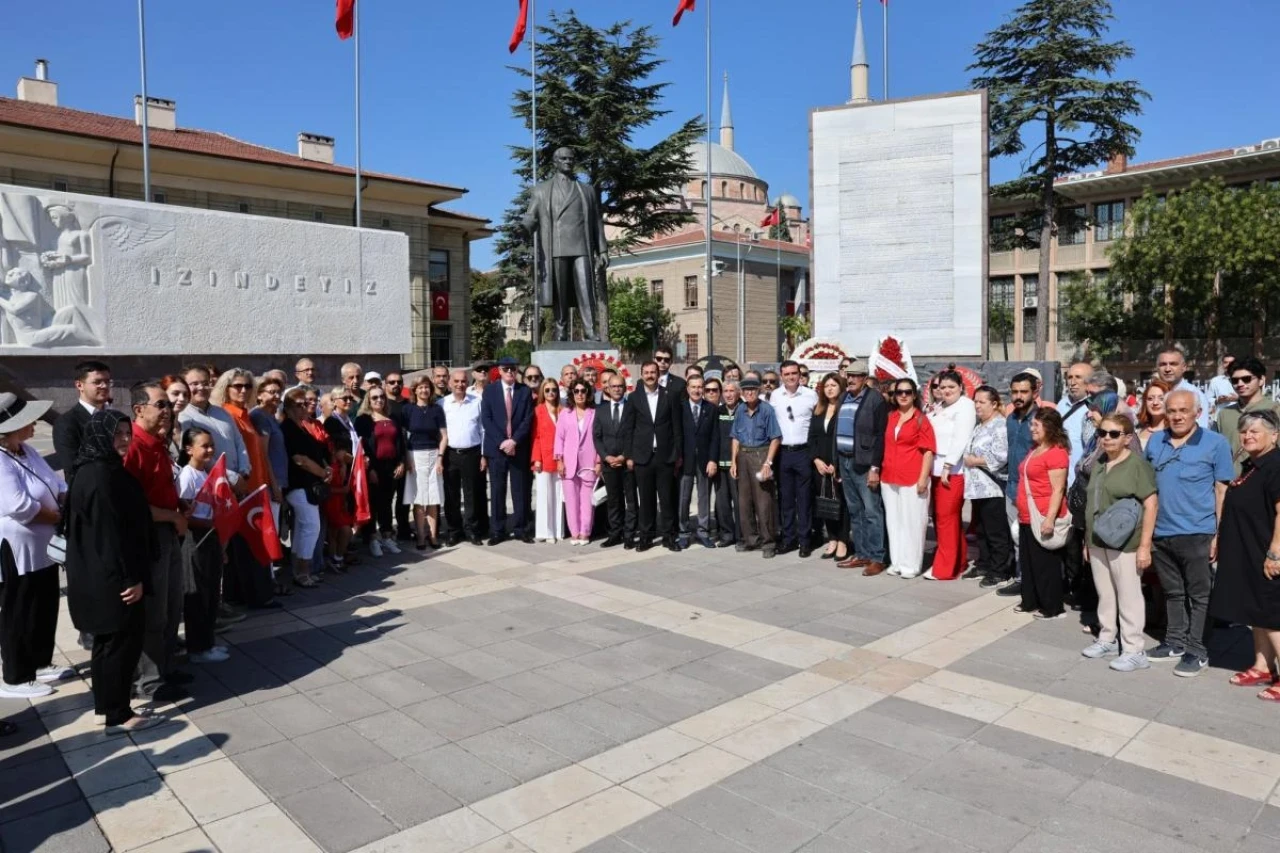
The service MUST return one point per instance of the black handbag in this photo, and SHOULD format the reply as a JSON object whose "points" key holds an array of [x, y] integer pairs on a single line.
{"points": [[826, 505], [318, 493]]}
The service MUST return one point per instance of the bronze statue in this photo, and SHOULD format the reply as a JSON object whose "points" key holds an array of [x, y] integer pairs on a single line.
{"points": [[570, 253]]}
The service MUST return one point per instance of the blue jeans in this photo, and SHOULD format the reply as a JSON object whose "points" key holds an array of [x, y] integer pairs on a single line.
{"points": [[866, 511]]}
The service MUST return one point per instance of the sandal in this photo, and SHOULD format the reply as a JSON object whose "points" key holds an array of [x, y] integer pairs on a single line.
{"points": [[1252, 677], [1271, 694], [306, 581], [137, 723]]}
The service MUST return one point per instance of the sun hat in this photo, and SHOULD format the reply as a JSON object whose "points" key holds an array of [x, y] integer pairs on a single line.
{"points": [[15, 412]]}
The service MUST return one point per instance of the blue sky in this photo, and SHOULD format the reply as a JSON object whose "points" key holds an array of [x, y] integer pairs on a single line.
{"points": [[437, 88]]}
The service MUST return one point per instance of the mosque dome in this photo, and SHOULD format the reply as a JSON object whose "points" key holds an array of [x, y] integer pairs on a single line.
{"points": [[723, 162], [788, 200]]}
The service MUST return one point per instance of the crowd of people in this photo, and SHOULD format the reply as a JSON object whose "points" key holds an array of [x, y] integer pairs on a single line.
{"points": [[1096, 504]]}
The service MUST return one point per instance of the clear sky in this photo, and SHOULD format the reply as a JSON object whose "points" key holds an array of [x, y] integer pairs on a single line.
{"points": [[437, 88]]}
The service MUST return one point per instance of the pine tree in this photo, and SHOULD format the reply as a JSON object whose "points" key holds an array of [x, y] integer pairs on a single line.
{"points": [[595, 96], [1047, 72]]}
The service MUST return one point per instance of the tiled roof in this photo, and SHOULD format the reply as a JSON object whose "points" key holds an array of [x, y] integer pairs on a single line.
{"points": [[699, 236], [114, 128], [1168, 163]]}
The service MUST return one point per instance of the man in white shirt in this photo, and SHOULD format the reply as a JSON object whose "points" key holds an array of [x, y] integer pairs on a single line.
{"points": [[793, 405], [464, 465], [1074, 411], [1171, 366], [1221, 391]]}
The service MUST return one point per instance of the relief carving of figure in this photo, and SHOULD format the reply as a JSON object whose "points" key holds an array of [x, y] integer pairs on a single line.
{"points": [[33, 322], [69, 262]]}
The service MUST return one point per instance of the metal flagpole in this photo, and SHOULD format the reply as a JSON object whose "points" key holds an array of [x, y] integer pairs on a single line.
{"points": [[533, 181], [146, 137], [884, 4], [711, 290], [355, 21]]}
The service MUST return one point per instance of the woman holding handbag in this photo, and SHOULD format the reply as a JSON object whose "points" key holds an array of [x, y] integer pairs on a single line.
{"points": [[909, 447], [822, 449], [987, 458], [1122, 490], [1043, 523]]}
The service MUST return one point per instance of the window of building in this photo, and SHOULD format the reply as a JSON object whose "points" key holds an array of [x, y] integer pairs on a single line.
{"points": [[158, 197], [1072, 227], [1030, 301], [438, 270], [742, 190], [691, 291], [386, 223], [655, 287], [442, 343], [724, 189], [59, 186], [317, 215], [1108, 221], [1002, 234], [1000, 313], [243, 207], [691, 349]]}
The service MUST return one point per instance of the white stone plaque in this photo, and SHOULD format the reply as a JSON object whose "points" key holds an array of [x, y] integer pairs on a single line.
{"points": [[91, 275], [899, 223]]}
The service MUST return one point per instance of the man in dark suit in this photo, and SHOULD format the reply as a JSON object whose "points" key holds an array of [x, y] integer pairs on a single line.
{"points": [[607, 435], [651, 429], [506, 414], [673, 384], [860, 426], [93, 385], [701, 428]]}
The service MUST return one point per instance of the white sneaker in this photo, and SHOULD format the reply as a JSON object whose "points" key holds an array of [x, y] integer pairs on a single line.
{"points": [[54, 674], [390, 546], [210, 656], [30, 690], [909, 575], [375, 548], [893, 570], [928, 575]]}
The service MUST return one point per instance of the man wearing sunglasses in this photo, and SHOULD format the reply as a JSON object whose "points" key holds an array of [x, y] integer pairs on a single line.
{"points": [[662, 356], [506, 415], [532, 377], [793, 404], [148, 461], [860, 426], [1247, 376], [1193, 467]]}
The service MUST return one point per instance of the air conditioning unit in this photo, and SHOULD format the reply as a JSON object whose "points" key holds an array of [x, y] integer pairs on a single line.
{"points": [[1030, 303]]}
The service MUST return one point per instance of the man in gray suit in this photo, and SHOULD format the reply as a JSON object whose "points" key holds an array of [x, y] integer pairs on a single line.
{"points": [[569, 247]]}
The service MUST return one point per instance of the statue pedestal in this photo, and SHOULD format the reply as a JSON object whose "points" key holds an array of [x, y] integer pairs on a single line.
{"points": [[552, 356]]}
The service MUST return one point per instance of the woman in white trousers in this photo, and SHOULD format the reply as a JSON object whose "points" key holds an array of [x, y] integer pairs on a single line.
{"points": [[909, 447]]}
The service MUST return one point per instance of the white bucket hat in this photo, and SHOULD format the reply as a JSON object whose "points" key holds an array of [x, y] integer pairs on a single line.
{"points": [[15, 413]]}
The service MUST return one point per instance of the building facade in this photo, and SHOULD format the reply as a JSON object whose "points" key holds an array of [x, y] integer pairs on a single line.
{"points": [[49, 146]]}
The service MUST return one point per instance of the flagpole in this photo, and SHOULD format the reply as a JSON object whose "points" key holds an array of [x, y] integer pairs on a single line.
{"points": [[533, 112], [711, 290], [884, 5], [355, 20], [146, 137]]}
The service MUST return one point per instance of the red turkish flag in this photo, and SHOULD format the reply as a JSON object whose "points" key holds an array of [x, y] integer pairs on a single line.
{"points": [[360, 485], [771, 219], [522, 24], [345, 19], [440, 305], [216, 494], [258, 527], [685, 6]]}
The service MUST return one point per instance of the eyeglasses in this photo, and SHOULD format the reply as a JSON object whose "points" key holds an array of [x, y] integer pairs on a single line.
{"points": [[772, 382], [240, 386], [577, 391], [713, 390], [159, 404], [790, 414], [305, 370], [1243, 380], [373, 398], [662, 359], [507, 368], [904, 392], [1112, 433], [533, 377]]}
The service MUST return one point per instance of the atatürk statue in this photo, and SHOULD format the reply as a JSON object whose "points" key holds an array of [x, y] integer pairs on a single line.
{"points": [[570, 253]]}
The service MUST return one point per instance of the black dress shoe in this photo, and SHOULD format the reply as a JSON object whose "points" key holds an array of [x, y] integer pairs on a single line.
{"points": [[785, 549], [453, 540], [476, 540], [611, 542], [805, 551], [671, 544], [725, 543], [1012, 589], [643, 546], [528, 540], [628, 544], [495, 540]]}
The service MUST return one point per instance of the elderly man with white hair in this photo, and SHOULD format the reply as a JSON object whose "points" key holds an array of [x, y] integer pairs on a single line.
{"points": [[1193, 467]]}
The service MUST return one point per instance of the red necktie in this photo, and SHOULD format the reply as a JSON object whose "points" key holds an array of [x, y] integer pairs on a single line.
{"points": [[507, 390]]}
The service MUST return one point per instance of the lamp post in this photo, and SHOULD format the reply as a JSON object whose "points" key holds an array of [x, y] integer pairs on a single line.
{"points": [[742, 297]]}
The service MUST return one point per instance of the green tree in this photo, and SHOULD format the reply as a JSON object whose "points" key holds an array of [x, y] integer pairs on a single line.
{"points": [[780, 230], [487, 307], [1000, 323], [795, 330], [1098, 315], [638, 322], [520, 350], [595, 94], [1047, 72]]}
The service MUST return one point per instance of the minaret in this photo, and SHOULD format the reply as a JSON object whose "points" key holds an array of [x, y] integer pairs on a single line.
{"points": [[726, 118], [859, 69]]}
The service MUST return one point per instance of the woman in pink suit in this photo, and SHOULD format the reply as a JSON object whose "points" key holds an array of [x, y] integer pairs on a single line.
{"points": [[576, 460]]}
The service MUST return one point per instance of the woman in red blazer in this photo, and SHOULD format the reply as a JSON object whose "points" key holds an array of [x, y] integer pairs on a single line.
{"points": [[548, 500], [909, 446]]}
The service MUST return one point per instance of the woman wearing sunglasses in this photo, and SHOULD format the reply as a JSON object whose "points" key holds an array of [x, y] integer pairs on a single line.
{"points": [[577, 464], [384, 447], [548, 506], [1120, 473], [909, 446]]}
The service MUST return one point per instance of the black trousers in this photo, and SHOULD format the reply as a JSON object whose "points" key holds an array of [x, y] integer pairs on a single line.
{"points": [[404, 525], [200, 608], [1041, 574], [28, 621], [996, 554], [726, 506], [115, 656], [1078, 574], [463, 489], [383, 493], [247, 582], [655, 484], [516, 468], [795, 493], [615, 486]]}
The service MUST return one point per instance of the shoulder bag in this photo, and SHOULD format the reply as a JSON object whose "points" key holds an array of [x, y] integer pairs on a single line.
{"points": [[1061, 525], [826, 505], [1114, 525]]}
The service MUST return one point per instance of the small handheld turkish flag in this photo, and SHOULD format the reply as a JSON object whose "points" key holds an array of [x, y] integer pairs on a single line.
{"points": [[685, 6], [258, 527], [216, 494]]}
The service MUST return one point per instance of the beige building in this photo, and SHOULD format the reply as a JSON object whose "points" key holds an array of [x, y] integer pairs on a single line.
{"points": [[49, 146], [756, 280], [1105, 197]]}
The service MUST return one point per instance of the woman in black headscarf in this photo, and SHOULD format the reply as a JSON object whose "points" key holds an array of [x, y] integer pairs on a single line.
{"points": [[110, 544]]}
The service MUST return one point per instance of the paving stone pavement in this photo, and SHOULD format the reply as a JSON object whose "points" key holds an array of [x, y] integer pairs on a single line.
{"points": [[557, 699]]}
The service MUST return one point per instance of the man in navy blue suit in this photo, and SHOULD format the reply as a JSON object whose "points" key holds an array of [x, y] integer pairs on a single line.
{"points": [[701, 463], [506, 415]]}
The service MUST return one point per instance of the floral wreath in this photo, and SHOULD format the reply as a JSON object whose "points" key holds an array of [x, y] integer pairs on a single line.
{"points": [[601, 362]]}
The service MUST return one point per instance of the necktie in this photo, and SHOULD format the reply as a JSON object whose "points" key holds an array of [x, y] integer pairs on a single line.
{"points": [[507, 388], [615, 414], [696, 412]]}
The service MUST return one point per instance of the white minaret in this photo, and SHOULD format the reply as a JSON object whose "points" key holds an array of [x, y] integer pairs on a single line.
{"points": [[859, 70], [726, 118]]}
